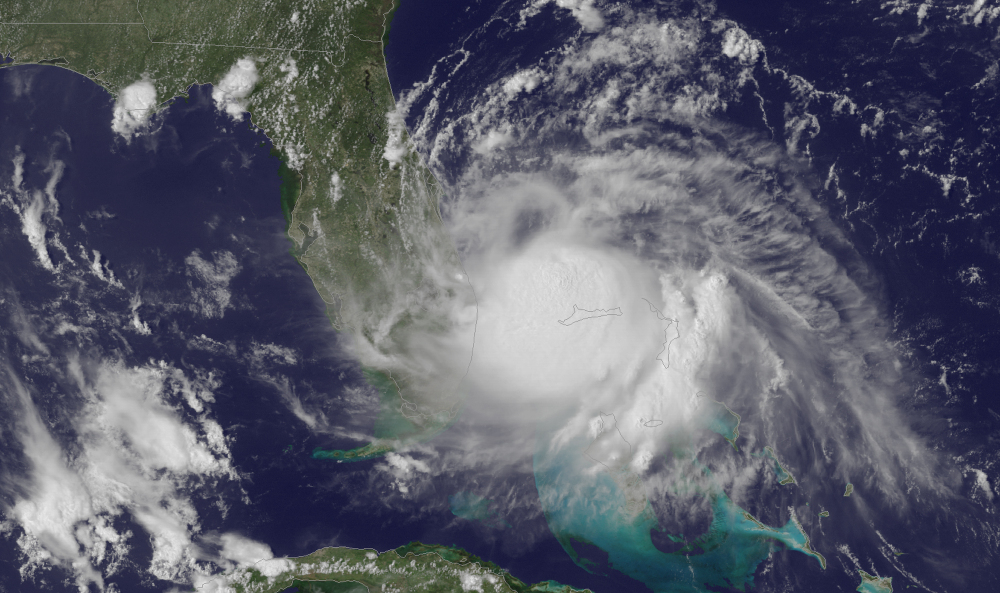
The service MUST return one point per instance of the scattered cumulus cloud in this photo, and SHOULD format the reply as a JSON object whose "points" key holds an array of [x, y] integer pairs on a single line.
{"points": [[471, 582], [980, 13], [135, 322], [266, 354], [210, 282], [983, 482]]}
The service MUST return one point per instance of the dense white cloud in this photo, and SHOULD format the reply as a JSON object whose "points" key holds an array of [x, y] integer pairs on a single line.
{"points": [[736, 43], [231, 92], [243, 550], [133, 108]]}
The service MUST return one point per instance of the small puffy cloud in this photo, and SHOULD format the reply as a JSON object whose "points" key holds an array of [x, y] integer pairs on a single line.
{"points": [[295, 156], [231, 92], [33, 226], [53, 503], [404, 464], [264, 354], [18, 176], [978, 13], [133, 108]]}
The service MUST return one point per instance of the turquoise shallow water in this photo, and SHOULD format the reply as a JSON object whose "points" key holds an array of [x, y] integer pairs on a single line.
{"points": [[471, 506], [588, 512]]}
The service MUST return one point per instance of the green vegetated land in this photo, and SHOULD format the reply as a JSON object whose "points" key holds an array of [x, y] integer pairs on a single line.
{"points": [[413, 567], [365, 228]]}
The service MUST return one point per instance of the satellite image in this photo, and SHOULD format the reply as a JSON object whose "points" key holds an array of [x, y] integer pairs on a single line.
{"points": [[528, 296]]}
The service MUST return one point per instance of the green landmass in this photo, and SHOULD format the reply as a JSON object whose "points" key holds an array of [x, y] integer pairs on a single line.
{"points": [[360, 207], [299, 586], [388, 23], [849, 490], [824, 514], [413, 567], [874, 584], [291, 187]]}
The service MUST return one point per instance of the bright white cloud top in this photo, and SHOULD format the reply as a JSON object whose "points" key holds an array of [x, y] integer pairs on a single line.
{"points": [[133, 108], [231, 92]]}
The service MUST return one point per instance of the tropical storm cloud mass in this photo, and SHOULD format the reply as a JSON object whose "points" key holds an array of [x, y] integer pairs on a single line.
{"points": [[639, 259], [676, 350]]}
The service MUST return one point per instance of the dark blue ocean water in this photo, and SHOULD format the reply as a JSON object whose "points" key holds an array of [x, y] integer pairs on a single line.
{"points": [[427, 34], [924, 239]]}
